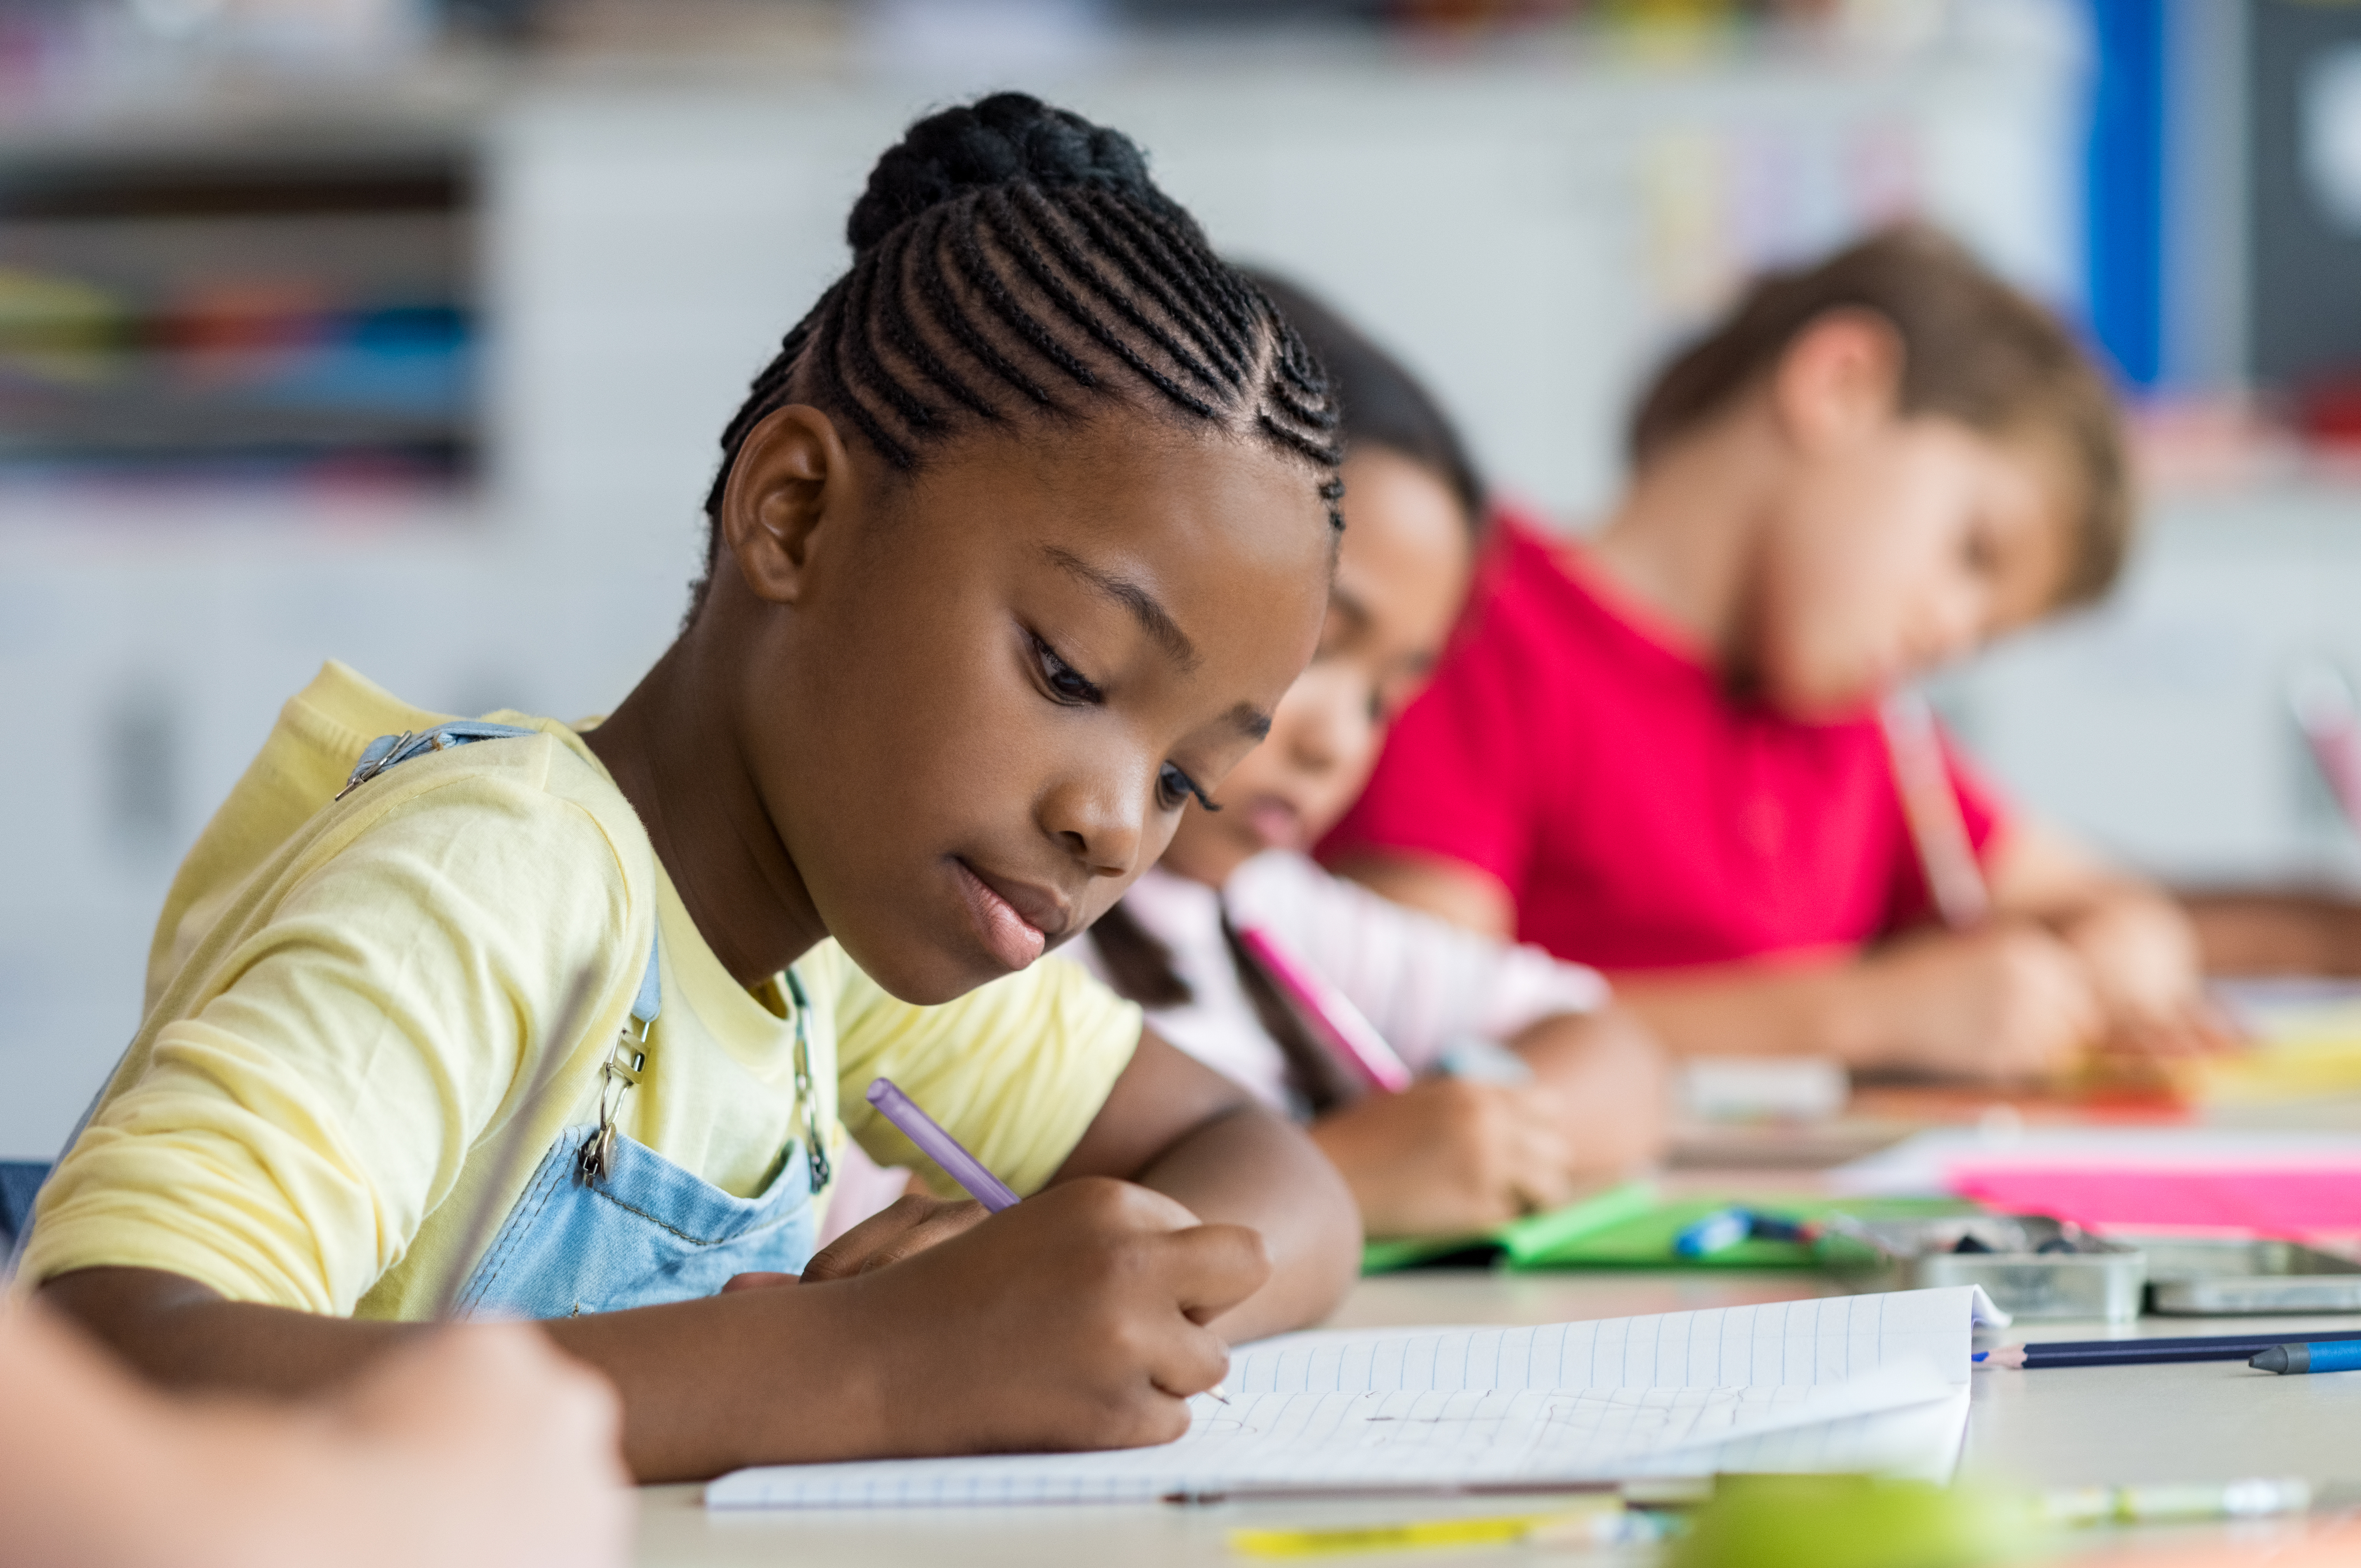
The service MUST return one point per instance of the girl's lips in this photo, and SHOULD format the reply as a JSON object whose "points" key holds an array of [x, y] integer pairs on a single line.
{"points": [[1276, 823], [1010, 938]]}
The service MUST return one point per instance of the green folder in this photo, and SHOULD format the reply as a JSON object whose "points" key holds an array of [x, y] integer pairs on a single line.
{"points": [[1627, 1227], [1520, 1241]]}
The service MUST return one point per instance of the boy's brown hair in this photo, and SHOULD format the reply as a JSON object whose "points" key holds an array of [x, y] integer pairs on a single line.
{"points": [[1973, 349]]}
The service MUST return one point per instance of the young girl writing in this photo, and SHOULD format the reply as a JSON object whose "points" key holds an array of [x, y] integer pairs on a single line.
{"points": [[1452, 1153], [1657, 750], [1015, 546]]}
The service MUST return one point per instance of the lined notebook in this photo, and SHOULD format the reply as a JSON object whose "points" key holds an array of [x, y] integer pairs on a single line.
{"points": [[1854, 1382]]}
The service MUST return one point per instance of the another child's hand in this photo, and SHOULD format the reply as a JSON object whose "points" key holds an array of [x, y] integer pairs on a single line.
{"points": [[1449, 1156], [2142, 956], [1614, 1082], [481, 1444], [1074, 1320], [2007, 1001]]}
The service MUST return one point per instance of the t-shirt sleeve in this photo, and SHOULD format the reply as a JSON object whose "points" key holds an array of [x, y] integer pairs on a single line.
{"points": [[284, 1142], [1016, 1071], [1455, 780], [1984, 810]]}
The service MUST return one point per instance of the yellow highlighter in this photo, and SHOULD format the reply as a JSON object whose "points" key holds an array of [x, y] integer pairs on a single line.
{"points": [[1602, 1521]]}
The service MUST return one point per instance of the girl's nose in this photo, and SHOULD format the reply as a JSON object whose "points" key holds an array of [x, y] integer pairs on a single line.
{"points": [[1098, 820]]}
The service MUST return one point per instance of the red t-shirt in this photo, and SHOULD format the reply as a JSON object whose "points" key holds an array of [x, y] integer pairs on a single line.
{"points": [[1640, 815]]}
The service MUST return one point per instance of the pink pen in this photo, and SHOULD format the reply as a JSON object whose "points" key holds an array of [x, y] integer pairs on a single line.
{"points": [[1330, 1011], [939, 1147]]}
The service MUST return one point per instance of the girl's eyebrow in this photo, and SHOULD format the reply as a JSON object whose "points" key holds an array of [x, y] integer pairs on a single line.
{"points": [[1153, 618]]}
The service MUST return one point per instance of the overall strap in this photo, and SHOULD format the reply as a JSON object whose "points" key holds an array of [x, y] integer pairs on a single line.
{"points": [[387, 750]]}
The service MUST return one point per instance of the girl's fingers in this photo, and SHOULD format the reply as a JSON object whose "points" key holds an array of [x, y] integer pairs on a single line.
{"points": [[1192, 1362], [1215, 1267], [907, 1225], [758, 1281]]}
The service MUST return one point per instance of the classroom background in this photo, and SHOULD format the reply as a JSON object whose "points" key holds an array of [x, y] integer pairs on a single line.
{"points": [[401, 332]]}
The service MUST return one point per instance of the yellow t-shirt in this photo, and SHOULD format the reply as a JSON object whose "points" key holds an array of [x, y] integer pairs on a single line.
{"points": [[348, 1002]]}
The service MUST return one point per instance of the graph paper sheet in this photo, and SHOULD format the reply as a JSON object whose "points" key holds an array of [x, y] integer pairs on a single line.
{"points": [[1855, 1382]]}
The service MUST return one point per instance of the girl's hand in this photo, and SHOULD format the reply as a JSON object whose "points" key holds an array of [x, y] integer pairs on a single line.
{"points": [[1075, 1320], [909, 1225], [1448, 1155], [2008, 1002]]}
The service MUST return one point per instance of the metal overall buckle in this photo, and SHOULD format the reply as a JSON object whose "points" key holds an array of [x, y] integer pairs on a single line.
{"points": [[625, 1064], [815, 1146]]}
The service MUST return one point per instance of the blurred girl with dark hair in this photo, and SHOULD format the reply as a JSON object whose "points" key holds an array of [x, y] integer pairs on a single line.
{"points": [[1485, 1133]]}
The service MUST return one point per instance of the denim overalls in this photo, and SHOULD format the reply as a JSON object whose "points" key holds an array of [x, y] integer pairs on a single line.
{"points": [[606, 1223]]}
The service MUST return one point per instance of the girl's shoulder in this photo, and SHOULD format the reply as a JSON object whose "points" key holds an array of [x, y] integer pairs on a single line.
{"points": [[292, 807]]}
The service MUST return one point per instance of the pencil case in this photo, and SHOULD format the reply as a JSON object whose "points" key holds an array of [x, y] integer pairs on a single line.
{"points": [[2030, 1266], [2207, 1277]]}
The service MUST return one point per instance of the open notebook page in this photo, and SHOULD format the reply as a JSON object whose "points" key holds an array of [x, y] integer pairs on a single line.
{"points": [[1858, 1383], [1528, 1438], [1783, 1344]]}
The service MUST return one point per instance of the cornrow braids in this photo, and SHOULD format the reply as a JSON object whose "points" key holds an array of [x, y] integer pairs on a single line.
{"points": [[1013, 261]]}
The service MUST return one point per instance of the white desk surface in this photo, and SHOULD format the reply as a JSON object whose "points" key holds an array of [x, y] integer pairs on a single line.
{"points": [[2206, 1421]]}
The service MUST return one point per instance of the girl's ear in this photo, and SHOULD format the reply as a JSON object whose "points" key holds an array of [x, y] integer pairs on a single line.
{"points": [[1838, 379], [791, 473]]}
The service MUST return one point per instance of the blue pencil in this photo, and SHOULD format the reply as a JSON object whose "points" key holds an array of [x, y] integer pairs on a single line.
{"points": [[2313, 1355]]}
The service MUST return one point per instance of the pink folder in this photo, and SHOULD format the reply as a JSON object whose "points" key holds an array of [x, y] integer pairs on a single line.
{"points": [[2315, 1201]]}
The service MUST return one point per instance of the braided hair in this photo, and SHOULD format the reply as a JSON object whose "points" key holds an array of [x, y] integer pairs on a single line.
{"points": [[1013, 260]]}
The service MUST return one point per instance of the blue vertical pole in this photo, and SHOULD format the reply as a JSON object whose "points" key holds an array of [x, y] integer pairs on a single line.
{"points": [[2124, 186]]}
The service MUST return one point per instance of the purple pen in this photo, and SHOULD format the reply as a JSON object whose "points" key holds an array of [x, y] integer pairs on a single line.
{"points": [[939, 1147]]}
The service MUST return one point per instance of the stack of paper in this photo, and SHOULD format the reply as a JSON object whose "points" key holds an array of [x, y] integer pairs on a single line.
{"points": [[1875, 1382]]}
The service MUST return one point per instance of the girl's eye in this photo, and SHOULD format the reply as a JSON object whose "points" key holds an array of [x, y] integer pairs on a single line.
{"points": [[1066, 684], [1175, 789]]}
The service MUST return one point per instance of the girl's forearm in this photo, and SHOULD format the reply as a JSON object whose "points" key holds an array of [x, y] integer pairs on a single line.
{"points": [[768, 1376], [707, 1385], [1249, 1167], [183, 1335]]}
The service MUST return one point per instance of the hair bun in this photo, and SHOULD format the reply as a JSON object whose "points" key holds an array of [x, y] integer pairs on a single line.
{"points": [[999, 140]]}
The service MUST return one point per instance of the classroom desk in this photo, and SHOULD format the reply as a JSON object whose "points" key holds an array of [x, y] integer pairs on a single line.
{"points": [[2201, 1422]]}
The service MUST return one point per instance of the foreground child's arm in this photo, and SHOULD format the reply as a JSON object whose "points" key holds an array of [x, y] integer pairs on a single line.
{"points": [[512, 1448], [1080, 1318]]}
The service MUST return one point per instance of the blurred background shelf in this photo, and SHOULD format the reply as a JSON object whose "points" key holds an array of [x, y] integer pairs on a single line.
{"points": [[202, 309]]}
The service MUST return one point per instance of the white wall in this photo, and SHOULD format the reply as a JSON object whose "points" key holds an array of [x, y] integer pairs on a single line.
{"points": [[2157, 726], [1527, 231]]}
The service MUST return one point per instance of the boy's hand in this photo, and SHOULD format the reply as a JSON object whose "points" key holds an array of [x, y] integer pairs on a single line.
{"points": [[1075, 1320], [2143, 961], [2007, 1001], [1449, 1156]]}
